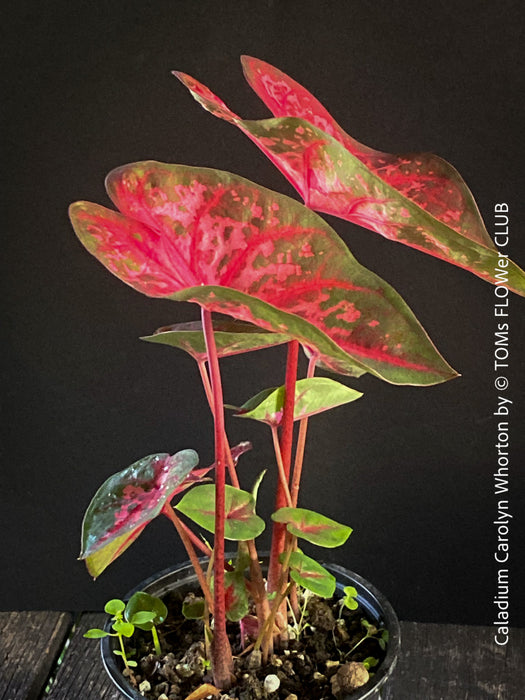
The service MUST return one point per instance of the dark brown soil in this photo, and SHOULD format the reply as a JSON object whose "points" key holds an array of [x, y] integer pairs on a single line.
{"points": [[319, 661]]}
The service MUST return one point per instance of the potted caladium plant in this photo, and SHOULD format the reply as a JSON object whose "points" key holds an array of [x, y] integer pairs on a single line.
{"points": [[267, 270]]}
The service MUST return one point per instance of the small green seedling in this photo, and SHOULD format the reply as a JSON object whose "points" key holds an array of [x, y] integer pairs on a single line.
{"points": [[145, 611], [122, 629], [350, 599], [372, 632]]}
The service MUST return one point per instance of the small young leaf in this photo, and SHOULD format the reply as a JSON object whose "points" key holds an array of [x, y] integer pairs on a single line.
{"points": [[96, 634], [117, 652], [193, 607], [114, 607], [313, 527], [255, 489], [370, 662], [126, 629], [133, 664], [141, 603], [236, 594], [310, 575], [312, 396], [241, 522], [141, 618]]}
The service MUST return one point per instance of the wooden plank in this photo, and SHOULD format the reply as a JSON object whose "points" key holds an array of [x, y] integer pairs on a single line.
{"points": [[81, 674], [453, 662], [438, 662], [30, 643]]}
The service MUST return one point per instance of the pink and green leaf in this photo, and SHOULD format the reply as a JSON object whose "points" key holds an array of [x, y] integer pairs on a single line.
{"points": [[309, 574], [313, 527], [416, 199], [232, 246], [127, 502], [241, 522], [312, 396], [236, 593], [231, 338]]}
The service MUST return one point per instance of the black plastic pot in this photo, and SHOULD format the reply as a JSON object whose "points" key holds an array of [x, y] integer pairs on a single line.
{"points": [[183, 579]]}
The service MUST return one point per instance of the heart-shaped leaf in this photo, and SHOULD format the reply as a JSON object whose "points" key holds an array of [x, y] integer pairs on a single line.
{"points": [[231, 338], [312, 396], [145, 610], [313, 527], [127, 502], [232, 246], [241, 522], [310, 575], [416, 199]]}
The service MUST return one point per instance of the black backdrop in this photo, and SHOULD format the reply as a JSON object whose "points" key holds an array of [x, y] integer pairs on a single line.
{"points": [[88, 87]]}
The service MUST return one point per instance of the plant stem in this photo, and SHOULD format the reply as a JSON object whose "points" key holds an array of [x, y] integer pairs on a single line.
{"points": [[209, 395], [285, 452], [170, 513], [261, 602], [301, 440], [156, 641], [196, 541], [124, 657], [283, 483], [222, 660]]}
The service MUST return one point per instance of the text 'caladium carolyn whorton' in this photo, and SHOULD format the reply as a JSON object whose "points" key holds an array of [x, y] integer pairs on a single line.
{"points": [[216, 239]]}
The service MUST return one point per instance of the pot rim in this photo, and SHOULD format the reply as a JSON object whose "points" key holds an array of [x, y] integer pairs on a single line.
{"points": [[369, 597]]}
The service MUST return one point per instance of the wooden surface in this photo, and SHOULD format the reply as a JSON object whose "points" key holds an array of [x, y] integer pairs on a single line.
{"points": [[438, 662], [30, 643]]}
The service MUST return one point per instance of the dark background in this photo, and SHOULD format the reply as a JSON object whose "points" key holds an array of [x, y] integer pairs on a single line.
{"points": [[88, 88]]}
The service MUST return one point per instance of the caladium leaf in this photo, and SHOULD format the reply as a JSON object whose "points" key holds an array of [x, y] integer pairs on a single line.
{"points": [[312, 396], [313, 527], [232, 246], [310, 574], [231, 338], [127, 502], [416, 199], [241, 521], [235, 592]]}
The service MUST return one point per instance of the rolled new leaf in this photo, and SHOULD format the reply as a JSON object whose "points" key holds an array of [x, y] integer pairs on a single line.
{"points": [[416, 199], [313, 527], [241, 522], [194, 234], [312, 396], [127, 502]]}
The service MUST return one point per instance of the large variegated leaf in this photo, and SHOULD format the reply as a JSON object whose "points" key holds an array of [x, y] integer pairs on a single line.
{"points": [[127, 502], [312, 396], [416, 199], [231, 246], [231, 338]]}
